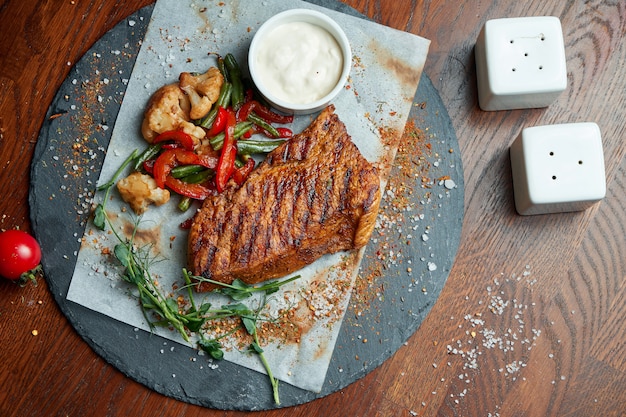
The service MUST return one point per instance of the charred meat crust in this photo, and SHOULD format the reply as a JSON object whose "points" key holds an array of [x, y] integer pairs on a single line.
{"points": [[315, 194]]}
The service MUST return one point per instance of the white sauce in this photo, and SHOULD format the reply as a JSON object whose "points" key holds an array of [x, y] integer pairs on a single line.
{"points": [[299, 62]]}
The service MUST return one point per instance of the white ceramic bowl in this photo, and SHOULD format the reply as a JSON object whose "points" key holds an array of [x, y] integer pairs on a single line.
{"points": [[291, 16]]}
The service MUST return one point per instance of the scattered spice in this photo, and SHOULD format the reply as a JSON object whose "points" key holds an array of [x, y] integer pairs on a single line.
{"points": [[56, 115], [399, 213]]}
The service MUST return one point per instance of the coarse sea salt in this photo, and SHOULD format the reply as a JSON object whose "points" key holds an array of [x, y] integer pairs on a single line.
{"points": [[499, 340]]}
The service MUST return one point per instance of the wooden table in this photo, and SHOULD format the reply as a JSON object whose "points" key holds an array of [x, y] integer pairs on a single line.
{"points": [[531, 320]]}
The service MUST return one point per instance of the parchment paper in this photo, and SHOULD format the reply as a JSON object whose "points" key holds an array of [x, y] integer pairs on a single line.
{"points": [[387, 65]]}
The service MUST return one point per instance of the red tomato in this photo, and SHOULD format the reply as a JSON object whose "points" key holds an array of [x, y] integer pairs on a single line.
{"points": [[19, 253]]}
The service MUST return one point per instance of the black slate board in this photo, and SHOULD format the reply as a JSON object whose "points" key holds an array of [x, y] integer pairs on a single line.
{"points": [[68, 156]]}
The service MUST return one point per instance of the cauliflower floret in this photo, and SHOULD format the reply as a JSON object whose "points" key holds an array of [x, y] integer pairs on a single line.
{"points": [[203, 90], [168, 109], [140, 190]]}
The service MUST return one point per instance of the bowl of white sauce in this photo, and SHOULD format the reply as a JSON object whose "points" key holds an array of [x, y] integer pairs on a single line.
{"points": [[299, 60]]}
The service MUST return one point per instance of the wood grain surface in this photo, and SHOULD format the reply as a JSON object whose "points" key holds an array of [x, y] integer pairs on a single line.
{"points": [[532, 319]]}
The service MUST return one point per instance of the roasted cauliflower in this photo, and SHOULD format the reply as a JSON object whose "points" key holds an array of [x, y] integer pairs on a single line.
{"points": [[140, 190], [202, 90], [168, 109]]}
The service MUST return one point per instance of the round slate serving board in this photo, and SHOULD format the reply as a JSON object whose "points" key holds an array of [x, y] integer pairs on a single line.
{"points": [[389, 303]]}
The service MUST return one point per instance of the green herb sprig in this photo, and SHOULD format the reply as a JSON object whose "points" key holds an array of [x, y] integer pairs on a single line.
{"points": [[239, 290], [100, 218], [249, 323], [249, 319], [136, 263]]}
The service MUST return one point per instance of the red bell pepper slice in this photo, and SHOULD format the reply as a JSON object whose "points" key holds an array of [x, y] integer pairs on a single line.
{"points": [[219, 123], [195, 191], [242, 173], [249, 95], [163, 166], [172, 158], [177, 136], [226, 163], [148, 165], [207, 161], [262, 111], [284, 133]]}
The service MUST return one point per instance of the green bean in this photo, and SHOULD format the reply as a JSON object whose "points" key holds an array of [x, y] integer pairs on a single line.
{"points": [[192, 178], [184, 203], [263, 124], [198, 177], [251, 146], [222, 67], [208, 120], [235, 78], [238, 95], [150, 152], [241, 128], [184, 170], [226, 91]]}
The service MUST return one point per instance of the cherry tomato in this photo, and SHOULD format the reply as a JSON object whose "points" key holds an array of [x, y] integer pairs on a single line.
{"points": [[19, 253]]}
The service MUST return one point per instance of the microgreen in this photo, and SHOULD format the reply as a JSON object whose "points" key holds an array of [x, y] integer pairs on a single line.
{"points": [[136, 262], [250, 325], [249, 319]]}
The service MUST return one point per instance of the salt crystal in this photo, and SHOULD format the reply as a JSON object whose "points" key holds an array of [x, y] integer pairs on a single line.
{"points": [[449, 184]]}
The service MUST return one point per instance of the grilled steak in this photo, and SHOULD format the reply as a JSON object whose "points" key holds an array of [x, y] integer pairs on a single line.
{"points": [[313, 195]]}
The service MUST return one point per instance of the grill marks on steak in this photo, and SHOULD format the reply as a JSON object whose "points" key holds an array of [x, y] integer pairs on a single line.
{"points": [[313, 195]]}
